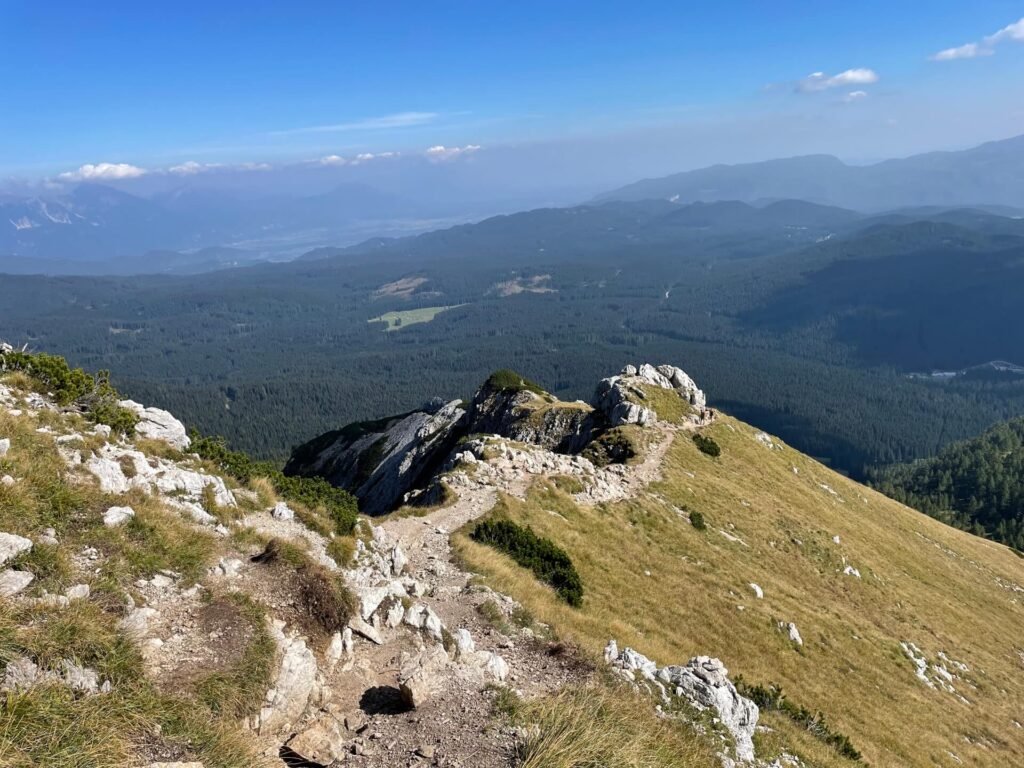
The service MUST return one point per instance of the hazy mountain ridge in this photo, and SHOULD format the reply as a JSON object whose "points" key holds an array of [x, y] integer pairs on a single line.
{"points": [[990, 174]]}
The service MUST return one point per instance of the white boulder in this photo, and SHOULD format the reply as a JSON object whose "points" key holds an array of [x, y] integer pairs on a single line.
{"points": [[157, 424], [116, 516]]}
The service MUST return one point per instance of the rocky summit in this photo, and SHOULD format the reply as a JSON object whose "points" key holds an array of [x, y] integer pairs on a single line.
{"points": [[391, 461], [165, 602]]}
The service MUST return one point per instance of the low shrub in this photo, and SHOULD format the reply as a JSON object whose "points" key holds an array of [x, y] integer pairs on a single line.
{"points": [[324, 598], [73, 387], [505, 380], [340, 505], [697, 521], [548, 561], [771, 698], [707, 445]]}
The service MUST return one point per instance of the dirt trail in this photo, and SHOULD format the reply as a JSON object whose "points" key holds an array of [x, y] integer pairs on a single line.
{"points": [[456, 725]]}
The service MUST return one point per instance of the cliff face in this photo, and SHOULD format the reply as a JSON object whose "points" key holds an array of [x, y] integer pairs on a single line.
{"points": [[380, 462]]}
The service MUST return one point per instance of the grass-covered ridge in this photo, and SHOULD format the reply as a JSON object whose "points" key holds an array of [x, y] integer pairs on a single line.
{"points": [[657, 583]]}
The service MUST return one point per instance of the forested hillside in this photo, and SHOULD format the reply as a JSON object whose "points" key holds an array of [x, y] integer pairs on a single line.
{"points": [[807, 321], [976, 485]]}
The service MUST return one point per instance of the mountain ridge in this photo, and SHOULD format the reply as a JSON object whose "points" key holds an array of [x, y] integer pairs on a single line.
{"points": [[989, 174]]}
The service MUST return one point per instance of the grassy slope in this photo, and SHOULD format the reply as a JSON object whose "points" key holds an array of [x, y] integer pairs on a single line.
{"points": [[922, 582], [51, 726]]}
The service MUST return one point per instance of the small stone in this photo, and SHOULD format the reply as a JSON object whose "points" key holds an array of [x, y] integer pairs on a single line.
{"points": [[426, 751], [5, 446], [7, 481], [77, 592], [758, 592], [116, 516], [282, 512], [360, 627]]}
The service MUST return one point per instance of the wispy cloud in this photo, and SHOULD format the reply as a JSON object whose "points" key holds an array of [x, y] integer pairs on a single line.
{"points": [[385, 122], [103, 172], [191, 168], [441, 152], [853, 96], [819, 81], [984, 47]]}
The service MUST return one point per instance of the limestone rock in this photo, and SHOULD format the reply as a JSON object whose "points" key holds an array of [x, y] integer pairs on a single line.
{"points": [[465, 647], [758, 592], [323, 742], [792, 632], [379, 462], [7, 481], [398, 561], [282, 512], [22, 674], [704, 682], [12, 545], [157, 424], [620, 397], [420, 675], [496, 668], [12, 582], [80, 678], [116, 516], [136, 623], [360, 627], [293, 684], [5, 446]]}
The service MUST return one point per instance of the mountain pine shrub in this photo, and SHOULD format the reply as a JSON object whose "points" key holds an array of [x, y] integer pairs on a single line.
{"points": [[707, 445], [549, 562]]}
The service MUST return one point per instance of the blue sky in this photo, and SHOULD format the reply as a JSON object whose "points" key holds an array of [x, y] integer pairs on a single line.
{"points": [[158, 85]]}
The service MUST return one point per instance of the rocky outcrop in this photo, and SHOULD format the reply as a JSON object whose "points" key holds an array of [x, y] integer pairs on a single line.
{"points": [[379, 462], [703, 682], [157, 424], [622, 398], [531, 417]]}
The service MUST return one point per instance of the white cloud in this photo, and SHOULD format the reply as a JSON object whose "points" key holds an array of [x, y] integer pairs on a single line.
{"points": [[365, 157], [103, 172], [1014, 32], [967, 51], [191, 168], [333, 160], [819, 81], [985, 47], [385, 122], [853, 96], [441, 152]]}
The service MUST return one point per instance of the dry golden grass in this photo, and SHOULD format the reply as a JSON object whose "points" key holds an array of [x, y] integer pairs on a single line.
{"points": [[922, 582], [606, 727], [51, 725]]}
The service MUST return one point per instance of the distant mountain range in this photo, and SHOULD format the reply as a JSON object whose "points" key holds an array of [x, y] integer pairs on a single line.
{"points": [[167, 226], [991, 174]]}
